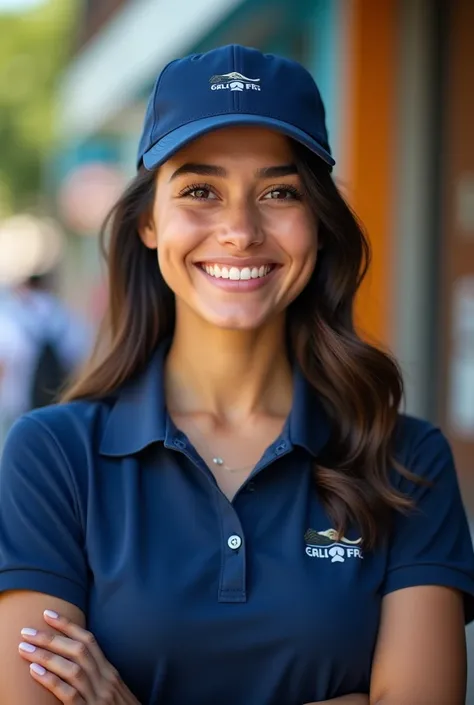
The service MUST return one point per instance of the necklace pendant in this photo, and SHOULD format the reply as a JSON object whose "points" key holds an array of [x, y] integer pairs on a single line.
{"points": [[218, 461]]}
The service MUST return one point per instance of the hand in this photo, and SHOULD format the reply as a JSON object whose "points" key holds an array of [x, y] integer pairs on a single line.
{"points": [[72, 667]]}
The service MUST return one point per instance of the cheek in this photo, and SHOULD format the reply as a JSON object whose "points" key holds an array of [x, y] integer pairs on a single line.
{"points": [[179, 232], [296, 234]]}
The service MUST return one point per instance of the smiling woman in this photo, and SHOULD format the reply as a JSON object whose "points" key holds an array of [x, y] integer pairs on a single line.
{"points": [[211, 235], [228, 506]]}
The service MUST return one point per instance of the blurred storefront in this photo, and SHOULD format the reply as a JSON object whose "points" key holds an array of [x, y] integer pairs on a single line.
{"points": [[456, 329], [396, 77]]}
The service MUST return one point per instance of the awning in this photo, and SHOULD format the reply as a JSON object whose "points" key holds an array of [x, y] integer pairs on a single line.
{"points": [[115, 67]]}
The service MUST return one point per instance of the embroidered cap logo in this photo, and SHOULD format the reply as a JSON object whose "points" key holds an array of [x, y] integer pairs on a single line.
{"points": [[234, 81]]}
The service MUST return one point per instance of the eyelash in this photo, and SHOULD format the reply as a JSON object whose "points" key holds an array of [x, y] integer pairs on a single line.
{"points": [[186, 192]]}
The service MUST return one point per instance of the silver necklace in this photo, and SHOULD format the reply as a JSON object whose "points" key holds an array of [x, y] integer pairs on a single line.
{"points": [[221, 464]]}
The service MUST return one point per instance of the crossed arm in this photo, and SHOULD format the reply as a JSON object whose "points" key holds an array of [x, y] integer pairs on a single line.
{"points": [[420, 658]]}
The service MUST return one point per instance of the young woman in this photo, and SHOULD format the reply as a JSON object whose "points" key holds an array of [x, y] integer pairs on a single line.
{"points": [[229, 500]]}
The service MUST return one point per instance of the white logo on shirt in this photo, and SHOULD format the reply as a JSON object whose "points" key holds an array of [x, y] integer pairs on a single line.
{"points": [[327, 544]]}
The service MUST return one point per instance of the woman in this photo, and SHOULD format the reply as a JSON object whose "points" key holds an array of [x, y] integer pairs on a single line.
{"points": [[229, 500]]}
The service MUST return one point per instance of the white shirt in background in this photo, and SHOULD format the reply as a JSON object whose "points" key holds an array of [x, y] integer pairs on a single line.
{"points": [[26, 319]]}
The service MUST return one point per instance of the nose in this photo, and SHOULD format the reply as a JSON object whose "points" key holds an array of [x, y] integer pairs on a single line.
{"points": [[241, 228]]}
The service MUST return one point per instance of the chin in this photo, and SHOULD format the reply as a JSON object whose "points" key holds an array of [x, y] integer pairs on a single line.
{"points": [[235, 321], [237, 325]]}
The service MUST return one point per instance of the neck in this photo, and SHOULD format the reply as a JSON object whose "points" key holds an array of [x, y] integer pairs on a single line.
{"points": [[229, 374]]}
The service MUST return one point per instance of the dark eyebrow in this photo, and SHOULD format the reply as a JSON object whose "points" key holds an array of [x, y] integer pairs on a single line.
{"points": [[200, 169], [269, 172], [274, 172]]}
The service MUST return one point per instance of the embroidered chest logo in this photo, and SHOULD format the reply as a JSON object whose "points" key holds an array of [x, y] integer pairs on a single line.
{"points": [[327, 544], [233, 81]]}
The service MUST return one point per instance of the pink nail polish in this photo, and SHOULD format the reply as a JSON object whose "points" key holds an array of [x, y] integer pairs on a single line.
{"points": [[51, 614], [39, 670]]}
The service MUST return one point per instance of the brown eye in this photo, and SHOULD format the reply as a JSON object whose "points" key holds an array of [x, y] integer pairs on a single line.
{"points": [[282, 194], [199, 193]]}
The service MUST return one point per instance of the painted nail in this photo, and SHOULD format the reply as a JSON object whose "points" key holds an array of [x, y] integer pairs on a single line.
{"points": [[51, 614], [26, 631], [27, 647], [39, 670]]}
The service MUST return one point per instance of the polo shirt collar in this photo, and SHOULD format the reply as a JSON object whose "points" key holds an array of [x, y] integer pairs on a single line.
{"points": [[139, 417], [309, 424]]}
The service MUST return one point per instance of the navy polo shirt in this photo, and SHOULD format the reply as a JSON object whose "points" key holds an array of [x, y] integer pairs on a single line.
{"points": [[196, 599]]}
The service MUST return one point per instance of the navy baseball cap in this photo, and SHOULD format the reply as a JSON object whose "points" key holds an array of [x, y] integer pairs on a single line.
{"points": [[231, 86]]}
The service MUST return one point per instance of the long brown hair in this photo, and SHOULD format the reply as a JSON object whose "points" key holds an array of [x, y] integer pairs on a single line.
{"points": [[359, 384]]}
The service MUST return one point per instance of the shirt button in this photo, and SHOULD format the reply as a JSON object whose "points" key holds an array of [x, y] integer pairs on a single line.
{"points": [[234, 542]]}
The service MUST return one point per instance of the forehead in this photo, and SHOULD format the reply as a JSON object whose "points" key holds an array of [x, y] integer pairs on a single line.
{"points": [[243, 144]]}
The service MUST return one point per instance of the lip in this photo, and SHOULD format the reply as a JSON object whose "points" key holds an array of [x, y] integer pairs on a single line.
{"points": [[242, 285], [237, 261]]}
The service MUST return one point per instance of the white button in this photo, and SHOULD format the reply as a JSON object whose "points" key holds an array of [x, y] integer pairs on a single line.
{"points": [[234, 542]]}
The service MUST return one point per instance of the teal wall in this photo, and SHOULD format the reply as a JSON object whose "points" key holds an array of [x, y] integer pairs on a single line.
{"points": [[325, 59]]}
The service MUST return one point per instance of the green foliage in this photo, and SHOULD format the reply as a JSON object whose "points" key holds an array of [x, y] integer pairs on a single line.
{"points": [[34, 48]]}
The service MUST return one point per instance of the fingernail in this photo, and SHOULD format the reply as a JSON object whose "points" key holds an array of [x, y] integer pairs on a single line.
{"points": [[39, 670], [26, 631], [27, 647], [51, 614]]}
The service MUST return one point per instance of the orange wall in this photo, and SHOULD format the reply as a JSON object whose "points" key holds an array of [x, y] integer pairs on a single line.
{"points": [[372, 74]]}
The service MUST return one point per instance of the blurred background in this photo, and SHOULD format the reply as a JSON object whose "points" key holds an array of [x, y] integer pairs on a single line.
{"points": [[397, 79]]}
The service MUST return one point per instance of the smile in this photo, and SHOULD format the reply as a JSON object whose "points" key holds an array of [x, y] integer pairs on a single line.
{"points": [[237, 273], [238, 279]]}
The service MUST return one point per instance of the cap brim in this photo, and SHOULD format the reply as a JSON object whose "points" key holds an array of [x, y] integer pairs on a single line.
{"points": [[175, 140]]}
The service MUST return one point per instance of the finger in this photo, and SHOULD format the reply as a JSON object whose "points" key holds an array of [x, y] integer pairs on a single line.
{"points": [[74, 651], [62, 690], [77, 633], [67, 671], [103, 670]]}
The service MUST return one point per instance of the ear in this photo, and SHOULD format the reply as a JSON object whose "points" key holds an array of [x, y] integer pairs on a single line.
{"points": [[147, 231]]}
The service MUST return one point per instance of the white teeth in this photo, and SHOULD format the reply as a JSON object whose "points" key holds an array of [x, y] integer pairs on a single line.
{"points": [[236, 274]]}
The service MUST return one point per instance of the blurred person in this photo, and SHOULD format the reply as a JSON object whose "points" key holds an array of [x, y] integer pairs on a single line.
{"points": [[229, 507], [41, 344]]}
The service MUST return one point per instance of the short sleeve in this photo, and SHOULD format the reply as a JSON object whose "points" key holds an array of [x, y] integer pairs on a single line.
{"points": [[431, 545], [41, 538]]}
